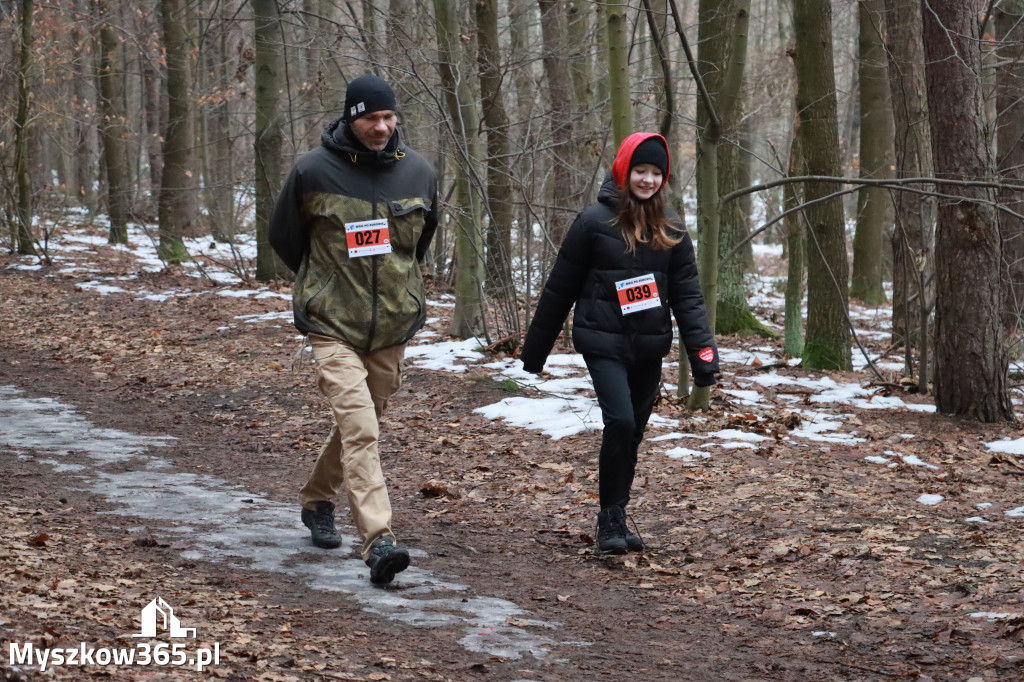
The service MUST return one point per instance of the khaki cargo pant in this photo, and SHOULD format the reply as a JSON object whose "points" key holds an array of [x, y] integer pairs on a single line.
{"points": [[357, 388]]}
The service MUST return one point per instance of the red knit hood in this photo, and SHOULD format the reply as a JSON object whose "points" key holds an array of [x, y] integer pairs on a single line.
{"points": [[620, 168]]}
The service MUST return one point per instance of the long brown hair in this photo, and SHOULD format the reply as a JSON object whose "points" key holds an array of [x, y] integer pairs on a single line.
{"points": [[645, 222]]}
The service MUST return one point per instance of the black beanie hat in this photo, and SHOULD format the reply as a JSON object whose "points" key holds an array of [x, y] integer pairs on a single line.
{"points": [[652, 151], [366, 94]]}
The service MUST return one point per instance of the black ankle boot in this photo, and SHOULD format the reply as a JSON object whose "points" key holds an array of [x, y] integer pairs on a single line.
{"points": [[611, 531], [633, 540]]}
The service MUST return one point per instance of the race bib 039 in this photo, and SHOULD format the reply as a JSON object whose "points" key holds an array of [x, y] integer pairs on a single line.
{"points": [[638, 293], [368, 238]]}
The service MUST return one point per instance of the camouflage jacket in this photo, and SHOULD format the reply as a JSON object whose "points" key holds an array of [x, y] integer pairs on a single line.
{"points": [[368, 301]]}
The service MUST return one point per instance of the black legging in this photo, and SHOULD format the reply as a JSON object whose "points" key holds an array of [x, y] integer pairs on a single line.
{"points": [[626, 395]]}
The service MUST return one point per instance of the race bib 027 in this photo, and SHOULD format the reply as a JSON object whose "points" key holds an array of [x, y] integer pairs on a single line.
{"points": [[367, 238], [638, 293]]}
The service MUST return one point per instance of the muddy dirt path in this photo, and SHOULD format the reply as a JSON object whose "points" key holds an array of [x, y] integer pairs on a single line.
{"points": [[153, 449]]}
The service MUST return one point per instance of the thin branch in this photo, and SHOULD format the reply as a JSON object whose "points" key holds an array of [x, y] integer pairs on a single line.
{"points": [[890, 185], [883, 182], [716, 123]]}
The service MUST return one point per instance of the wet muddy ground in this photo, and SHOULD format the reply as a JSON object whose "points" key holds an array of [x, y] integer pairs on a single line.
{"points": [[154, 449]]}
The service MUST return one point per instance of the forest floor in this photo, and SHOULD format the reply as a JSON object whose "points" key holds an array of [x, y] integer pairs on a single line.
{"points": [[786, 561]]}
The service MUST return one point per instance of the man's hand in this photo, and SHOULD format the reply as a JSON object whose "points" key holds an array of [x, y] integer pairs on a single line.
{"points": [[700, 399]]}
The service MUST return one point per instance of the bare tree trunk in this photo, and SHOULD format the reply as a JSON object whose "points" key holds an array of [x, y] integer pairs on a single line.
{"points": [[971, 361], [564, 196], [913, 239], [828, 338], [155, 122], [796, 245], [499, 185], [730, 25], [86, 147], [1009, 20], [112, 126], [468, 319], [874, 205], [618, 71], [721, 70], [269, 138], [25, 245], [176, 212], [220, 159]]}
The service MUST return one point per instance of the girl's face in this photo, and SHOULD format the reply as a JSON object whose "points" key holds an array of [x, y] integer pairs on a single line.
{"points": [[644, 180]]}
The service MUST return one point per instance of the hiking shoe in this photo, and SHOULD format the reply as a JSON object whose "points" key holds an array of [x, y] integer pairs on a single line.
{"points": [[611, 527], [633, 540], [321, 525], [386, 560]]}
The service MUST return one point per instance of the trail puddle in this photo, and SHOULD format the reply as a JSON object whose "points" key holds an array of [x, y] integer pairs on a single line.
{"points": [[221, 522]]}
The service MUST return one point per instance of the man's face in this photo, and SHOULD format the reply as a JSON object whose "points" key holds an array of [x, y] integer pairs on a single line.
{"points": [[375, 129]]}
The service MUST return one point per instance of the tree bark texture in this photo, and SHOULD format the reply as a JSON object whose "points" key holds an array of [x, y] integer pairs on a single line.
{"points": [[499, 175], [913, 239], [269, 138], [86, 145], [796, 246], [112, 125], [875, 213], [23, 239], [176, 207], [467, 319], [564, 157], [970, 362], [722, 76], [733, 314], [827, 344], [1009, 16], [618, 71]]}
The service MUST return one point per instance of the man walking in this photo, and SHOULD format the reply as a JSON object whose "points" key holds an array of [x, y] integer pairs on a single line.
{"points": [[353, 222]]}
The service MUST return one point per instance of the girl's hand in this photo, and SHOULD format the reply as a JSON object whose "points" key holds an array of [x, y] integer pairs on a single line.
{"points": [[700, 399]]}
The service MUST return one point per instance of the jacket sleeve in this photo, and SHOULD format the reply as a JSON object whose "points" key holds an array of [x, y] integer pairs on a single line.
{"points": [[429, 227], [289, 235], [687, 303], [564, 285]]}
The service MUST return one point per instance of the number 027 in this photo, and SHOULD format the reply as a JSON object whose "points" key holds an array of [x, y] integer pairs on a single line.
{"points": [[367, 237]]}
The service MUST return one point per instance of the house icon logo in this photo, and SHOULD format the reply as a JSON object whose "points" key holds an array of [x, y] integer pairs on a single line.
{"points": [[159, 613]]}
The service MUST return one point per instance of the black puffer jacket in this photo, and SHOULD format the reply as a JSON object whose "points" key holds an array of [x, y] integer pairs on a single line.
{"points": [[592, 258]]}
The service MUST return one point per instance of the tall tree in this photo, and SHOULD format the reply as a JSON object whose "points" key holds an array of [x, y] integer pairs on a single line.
{"points": [[468, 319], [874, 205], [618, 70], [1009, 20], [970, 358], [726, 50], [112, 124], [721, 71], [796, 246], [499, 175], [85, 130], [269, 137], [913, 239], [155, 114], [562, 118], [176, 206], [23, 238], [827, 344]]}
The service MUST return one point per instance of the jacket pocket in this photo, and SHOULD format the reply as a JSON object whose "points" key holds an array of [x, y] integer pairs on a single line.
{"points": [[314, 303], [401, 207]]}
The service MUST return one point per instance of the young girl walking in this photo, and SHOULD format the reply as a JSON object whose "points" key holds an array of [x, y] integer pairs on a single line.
{"points": [[625, 263]]}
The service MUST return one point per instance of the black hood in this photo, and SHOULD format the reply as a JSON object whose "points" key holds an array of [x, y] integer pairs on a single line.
{"points": [[338, 138], [609, 193]]}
